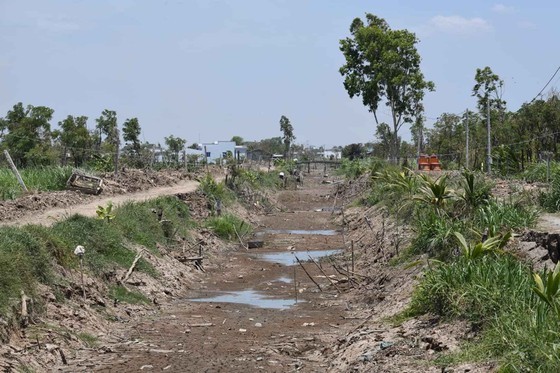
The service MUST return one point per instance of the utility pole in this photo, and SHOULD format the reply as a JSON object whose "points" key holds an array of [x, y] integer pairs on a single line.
{"points": [[467, 132], [489, 145]]}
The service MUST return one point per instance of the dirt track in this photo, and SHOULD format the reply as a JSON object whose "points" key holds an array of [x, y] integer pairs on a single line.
{"points": [[50, 216]]}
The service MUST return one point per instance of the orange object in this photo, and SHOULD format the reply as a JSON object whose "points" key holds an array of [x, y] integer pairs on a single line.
{"points": [[434, 163], [424, 163]]}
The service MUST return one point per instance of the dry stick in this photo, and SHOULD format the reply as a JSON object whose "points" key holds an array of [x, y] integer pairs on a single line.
{"points": [[295, 284], [82, 277], [239, 238], [307, 273], [356, 274], [352, 255], [125, 277], [351, 280], [324, 274]]}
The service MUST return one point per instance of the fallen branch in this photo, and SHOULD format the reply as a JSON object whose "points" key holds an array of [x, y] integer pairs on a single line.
{"points": [[127, 275], [324, 274], [239, 238], [307, 273]]}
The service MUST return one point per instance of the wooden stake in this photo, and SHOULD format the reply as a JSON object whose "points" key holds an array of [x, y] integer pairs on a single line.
{"points": [[352, 255], [82, 276], [15, 170], [295, 284]]}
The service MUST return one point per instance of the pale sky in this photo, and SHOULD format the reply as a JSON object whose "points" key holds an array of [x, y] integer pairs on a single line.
{"points": [[211, 69]]}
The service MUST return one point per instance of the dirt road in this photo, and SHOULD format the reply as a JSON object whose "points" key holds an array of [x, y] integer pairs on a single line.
{"points": [[53, 215]]}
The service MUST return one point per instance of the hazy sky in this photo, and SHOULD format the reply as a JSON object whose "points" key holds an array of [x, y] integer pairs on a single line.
{"points": [[211, 69]]}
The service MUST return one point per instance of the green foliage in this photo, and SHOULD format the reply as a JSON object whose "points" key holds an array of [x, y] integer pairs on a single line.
{"points": [[549, 290], [536, 172], [434, 193], [383, 64], [24, 260], [48, 178], [352, 169], [520, 332], [287, 134], [505, 216], [105, 213], [103, 243], [139, 224], [215, 191], [434, 234], [122, 294], [228, 226], [550, 199], [475, 190], [471, 289], [477, 250], [89, 340]]}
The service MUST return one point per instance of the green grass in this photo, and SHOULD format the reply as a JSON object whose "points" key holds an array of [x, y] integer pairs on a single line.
{"points": [[121, 294], [494, 293], [139, 224], [227, 225], [88, 339], [42, 178]]}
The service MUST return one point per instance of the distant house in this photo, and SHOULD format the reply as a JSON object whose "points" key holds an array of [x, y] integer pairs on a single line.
{"points": [[331, 154], [219, 150]]}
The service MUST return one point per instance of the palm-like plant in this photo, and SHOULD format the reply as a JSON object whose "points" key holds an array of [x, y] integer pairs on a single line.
{"points": [[491, 245], [549, 290], [474, 193], [435, 193]]}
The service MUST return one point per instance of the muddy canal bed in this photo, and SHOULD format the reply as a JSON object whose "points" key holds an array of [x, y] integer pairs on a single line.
{"points": [[242, 315]]}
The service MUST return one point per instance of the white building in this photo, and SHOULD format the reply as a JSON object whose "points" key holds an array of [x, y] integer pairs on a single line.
{"points": [[218, 150]]}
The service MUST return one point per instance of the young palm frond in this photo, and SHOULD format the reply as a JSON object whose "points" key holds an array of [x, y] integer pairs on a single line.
{"points": [[435, 193]]}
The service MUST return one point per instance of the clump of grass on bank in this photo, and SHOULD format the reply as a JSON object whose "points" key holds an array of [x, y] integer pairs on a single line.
{"points": [[495, 294], [228, 226], [122, 294], [138, 222], [41, 178]]}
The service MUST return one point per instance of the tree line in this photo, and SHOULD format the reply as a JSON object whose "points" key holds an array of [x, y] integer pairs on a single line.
{"points": [[26, 132], [382, 66]]}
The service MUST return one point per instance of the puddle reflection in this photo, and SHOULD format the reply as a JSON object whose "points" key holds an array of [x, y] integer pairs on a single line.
{"points": [[317, 232], [287, 258], [249, 297]]}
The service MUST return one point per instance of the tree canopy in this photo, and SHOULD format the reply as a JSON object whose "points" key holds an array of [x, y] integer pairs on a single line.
{"points": [[383, 65], [287, 134]]}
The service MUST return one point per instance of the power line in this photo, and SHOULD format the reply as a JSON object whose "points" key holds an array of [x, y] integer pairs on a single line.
{"points": [[546, 85]]}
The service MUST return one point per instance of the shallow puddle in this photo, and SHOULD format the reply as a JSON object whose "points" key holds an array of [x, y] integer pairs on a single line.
{"points": [[249, 297], [288, 258], [317, 232]]}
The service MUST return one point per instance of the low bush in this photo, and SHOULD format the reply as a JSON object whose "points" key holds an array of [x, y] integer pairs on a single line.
{"points": [[228, 226]]}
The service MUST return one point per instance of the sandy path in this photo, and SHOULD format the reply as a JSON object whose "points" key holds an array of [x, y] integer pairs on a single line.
{"points": [[51, 216]]}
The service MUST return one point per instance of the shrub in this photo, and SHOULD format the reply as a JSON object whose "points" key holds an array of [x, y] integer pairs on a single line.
{"points": [[228, 226]]}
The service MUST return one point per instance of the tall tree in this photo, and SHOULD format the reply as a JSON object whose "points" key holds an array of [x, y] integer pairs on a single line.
{"points": [[28, 135], [288, 134], [238, 140], [488, 90], [175, 145], [383, 64], [131, 134], [107, 125], [75, 138]]}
